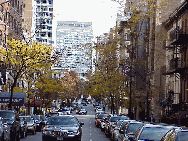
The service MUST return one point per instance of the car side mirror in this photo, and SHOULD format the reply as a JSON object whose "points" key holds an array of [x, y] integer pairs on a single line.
{"points": [[81, 123]]}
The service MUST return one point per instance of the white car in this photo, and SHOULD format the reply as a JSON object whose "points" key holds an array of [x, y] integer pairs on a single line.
{"points": [[83, 112]]}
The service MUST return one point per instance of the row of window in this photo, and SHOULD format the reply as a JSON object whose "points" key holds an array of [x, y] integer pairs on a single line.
{"points": [[44, 1]]}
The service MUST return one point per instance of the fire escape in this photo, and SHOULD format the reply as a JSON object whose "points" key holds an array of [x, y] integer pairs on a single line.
{"points": [[178, 63]]}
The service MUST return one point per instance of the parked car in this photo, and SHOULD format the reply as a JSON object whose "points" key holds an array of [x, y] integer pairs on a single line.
{"points": [[116, 126], [176, 135], [98, 119], [98, 113], [37, 119], [23, 127], [116, 130], [97, 107], [78, 110], [153, 132], [43, 121], [4, 130], [83, 112], [103, 122], [67, 110], [84, 104], [62, 127], [111, 121], [31, 125], [13, 121], [128, 131]]}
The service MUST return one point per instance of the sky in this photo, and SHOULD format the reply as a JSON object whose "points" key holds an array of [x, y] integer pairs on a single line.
{"points": [[102, 13]]}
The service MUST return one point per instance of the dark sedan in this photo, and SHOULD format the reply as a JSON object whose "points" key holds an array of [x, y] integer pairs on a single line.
{"points": [[65, 127], [4, 130], [129, 129], [152, 132], [37, 119], [31, 125], [23, 127], [99, 118]]}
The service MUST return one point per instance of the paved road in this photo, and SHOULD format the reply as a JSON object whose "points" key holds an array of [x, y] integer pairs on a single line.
{"points": [[90, 132]]}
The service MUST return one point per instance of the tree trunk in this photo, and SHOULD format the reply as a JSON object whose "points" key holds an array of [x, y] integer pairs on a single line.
{"points": [[11, 96]]}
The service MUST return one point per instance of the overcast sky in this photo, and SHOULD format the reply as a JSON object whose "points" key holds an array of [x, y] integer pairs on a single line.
{"points": [[102, 13]]}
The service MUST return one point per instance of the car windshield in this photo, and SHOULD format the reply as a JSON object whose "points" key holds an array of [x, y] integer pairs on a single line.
{"points": [[28, 119], [7, 115], [44, 118], [62, 121], [36, 117], [113, 119], [182, 136], [101, 116], [153, 133], [53, 114], [133, 127]]}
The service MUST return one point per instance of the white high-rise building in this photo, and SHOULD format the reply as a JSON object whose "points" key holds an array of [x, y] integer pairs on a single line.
{"points": [[43, 16], [74, 45]]}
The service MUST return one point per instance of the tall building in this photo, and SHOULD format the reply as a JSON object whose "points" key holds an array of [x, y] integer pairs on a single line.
{"points": [[43, 16], [73, 44]]}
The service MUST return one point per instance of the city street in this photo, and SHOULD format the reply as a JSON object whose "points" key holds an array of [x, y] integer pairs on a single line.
{"points": [[90, 132]]}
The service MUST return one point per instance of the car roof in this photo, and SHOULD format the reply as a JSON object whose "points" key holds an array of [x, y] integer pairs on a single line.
{"points": [[64, 116], [7, 111], [135, 121], [158, 125], [24, 116]]}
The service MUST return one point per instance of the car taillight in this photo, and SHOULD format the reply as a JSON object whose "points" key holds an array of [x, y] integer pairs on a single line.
{"points": [[98, 121]]}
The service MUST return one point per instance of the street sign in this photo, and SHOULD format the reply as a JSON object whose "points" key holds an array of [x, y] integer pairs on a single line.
{"points": [[18, 97]]}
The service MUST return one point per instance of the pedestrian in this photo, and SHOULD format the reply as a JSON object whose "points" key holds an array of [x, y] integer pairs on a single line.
{"points": [[152, 119]]}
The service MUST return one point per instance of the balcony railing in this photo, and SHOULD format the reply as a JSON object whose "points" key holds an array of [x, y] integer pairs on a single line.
{"points": [[175, 63], [175, 33]]}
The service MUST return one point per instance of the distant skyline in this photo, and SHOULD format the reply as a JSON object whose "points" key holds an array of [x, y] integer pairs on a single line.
{"points": [[102, 13]]}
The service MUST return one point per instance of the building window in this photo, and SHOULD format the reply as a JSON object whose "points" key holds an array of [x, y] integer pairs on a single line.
{"points": [[50, 1], [44, 1]]}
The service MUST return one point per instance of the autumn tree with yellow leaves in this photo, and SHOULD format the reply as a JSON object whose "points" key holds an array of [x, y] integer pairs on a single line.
{"points": [[21, 57]]}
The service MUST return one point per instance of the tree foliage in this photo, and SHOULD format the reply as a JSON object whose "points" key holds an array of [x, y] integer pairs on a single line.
{"points": [[21, 57]]}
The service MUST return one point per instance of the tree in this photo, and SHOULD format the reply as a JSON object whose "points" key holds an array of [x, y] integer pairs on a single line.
{"points": [[21, 57], [108, 80], [70, 85], [47, 87]]}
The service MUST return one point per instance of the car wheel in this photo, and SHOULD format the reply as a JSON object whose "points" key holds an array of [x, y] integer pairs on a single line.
{"points": [[18, 135], [22, 134], [34, 132], [79, 139], [2, 138], [26, 134]]}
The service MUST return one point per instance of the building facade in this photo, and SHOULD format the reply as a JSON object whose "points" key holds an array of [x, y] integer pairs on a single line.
{"points": [[73, 45], [43, 16]]}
